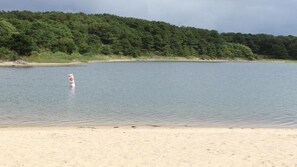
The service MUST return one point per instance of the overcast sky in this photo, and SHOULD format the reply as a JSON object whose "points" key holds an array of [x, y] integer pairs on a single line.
{"points": [[248, 16]]}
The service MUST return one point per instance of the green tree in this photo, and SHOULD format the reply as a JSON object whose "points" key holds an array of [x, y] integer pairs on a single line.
{"points": [[110, 34], [6, 54], [22, 44], [292, 50], [106, 49], [6, 31]]}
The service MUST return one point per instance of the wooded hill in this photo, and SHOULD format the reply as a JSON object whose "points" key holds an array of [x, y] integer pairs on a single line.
{"points": [[23, 33]]}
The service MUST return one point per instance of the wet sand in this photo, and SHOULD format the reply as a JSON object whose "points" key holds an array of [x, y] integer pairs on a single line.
{"points": [[146, 146]]}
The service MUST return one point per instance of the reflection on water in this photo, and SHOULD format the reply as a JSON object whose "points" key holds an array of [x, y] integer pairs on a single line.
{"points": [[176, 93], [72, 91]]}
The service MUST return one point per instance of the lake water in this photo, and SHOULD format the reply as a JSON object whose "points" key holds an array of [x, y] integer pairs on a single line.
{"points": [[152, 93]]}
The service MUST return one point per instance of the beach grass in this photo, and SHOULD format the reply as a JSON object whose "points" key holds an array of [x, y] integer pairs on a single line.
{"points": [[60, 57]]}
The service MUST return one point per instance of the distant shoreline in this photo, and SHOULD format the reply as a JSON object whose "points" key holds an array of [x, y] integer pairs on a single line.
{"points": [[179, 59], [33, 64]]}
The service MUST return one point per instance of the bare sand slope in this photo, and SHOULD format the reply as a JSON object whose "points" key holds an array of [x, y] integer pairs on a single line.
{"points": [[154, 147], [25, 64]]}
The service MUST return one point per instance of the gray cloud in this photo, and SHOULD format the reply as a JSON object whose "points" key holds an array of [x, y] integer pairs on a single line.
{"points": [[247, 16]]}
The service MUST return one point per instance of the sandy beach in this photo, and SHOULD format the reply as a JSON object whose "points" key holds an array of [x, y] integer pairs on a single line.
{"points": [[146, 146], [32, 64], [21, 63], [181, 59]]}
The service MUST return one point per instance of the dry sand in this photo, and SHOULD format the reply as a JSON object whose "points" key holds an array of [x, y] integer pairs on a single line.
{"points": [[154, 147], [26, 64], [20, 63]]}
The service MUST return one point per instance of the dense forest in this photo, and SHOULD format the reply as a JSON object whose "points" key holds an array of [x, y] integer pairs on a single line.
{"points": [[25, 33]]}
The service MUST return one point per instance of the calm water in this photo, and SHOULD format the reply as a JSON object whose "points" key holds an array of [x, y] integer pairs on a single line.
{"points": [[152, 93]]}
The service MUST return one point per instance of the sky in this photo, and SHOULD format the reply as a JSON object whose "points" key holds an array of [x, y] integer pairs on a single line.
{"points": [[275, 17]]}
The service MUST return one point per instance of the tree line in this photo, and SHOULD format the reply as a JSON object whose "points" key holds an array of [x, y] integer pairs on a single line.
{"points": [[23, 33]]}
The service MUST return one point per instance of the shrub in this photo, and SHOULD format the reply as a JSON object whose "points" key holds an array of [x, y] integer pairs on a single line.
{"points": [[6, 54], [106, 50]]}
